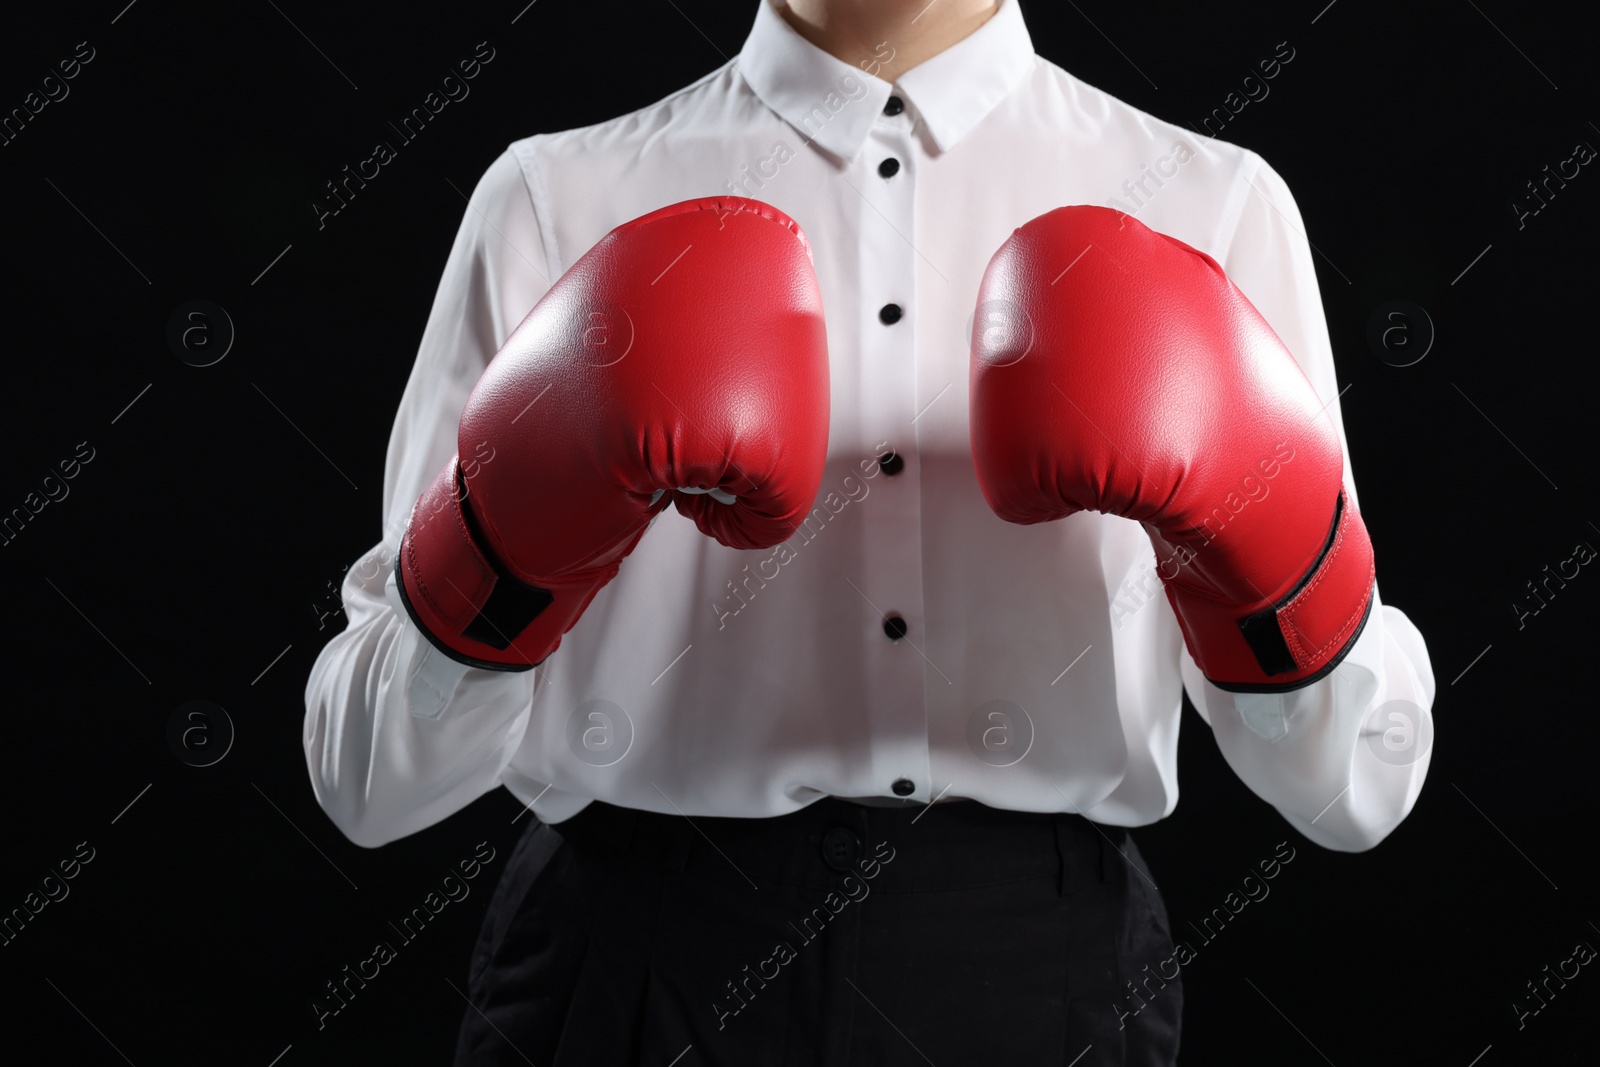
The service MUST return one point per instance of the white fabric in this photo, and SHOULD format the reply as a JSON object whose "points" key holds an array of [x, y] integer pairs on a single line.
{"points": [[757, 704]]}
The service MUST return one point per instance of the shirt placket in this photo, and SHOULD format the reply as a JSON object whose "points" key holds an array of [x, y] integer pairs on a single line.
{"points": [[894, 619]]}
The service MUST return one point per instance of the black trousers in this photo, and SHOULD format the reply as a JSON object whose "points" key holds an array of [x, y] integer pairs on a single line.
{"points": [[835, 936]]}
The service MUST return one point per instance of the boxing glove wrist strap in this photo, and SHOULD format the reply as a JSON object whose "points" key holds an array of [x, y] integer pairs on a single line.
{"points": [[1300, 637], [467, 604]]}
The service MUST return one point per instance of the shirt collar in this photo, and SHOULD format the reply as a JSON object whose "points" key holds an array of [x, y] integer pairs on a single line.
{"points": [[833, 103]]}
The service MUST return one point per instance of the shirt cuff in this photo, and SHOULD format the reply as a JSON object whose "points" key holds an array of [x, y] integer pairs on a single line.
{"points": [[431, 677]]}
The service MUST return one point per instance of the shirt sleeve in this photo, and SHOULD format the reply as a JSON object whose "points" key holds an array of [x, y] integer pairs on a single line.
{"points": [[1343, 759], [398, 736]]}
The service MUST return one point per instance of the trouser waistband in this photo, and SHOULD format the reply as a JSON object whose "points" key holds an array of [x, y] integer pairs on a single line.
{"points": [[954, 845]]}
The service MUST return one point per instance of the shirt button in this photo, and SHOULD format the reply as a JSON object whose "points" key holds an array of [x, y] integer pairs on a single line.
{"points": [[894, 105], [890, 314], [841, 848], [889, 167], [891, 464], [903, 787], [895, 627]]}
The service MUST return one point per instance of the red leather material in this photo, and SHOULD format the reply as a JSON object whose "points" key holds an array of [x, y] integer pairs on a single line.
{"points": [[685, 349], [1320, 618], [1119, 370]]}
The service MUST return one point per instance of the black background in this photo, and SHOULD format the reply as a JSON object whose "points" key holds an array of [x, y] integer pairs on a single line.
{"points": [[193, 548]]}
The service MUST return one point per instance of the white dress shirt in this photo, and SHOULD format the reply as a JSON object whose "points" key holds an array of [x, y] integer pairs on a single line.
{"points": [[1042, 668]]}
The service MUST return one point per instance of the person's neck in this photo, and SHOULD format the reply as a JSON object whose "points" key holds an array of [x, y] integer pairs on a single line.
{"points": [[886, 38]]}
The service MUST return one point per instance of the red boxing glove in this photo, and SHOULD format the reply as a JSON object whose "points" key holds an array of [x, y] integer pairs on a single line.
{"points": [[1118, 370], [686, 349]]}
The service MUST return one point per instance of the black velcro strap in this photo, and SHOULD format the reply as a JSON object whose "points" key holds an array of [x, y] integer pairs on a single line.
{"points": [[512, 604], [1263, 633]]}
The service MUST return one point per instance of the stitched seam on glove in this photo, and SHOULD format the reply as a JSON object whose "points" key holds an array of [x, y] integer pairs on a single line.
{"points": [[1292, 632], [422, 584]]}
